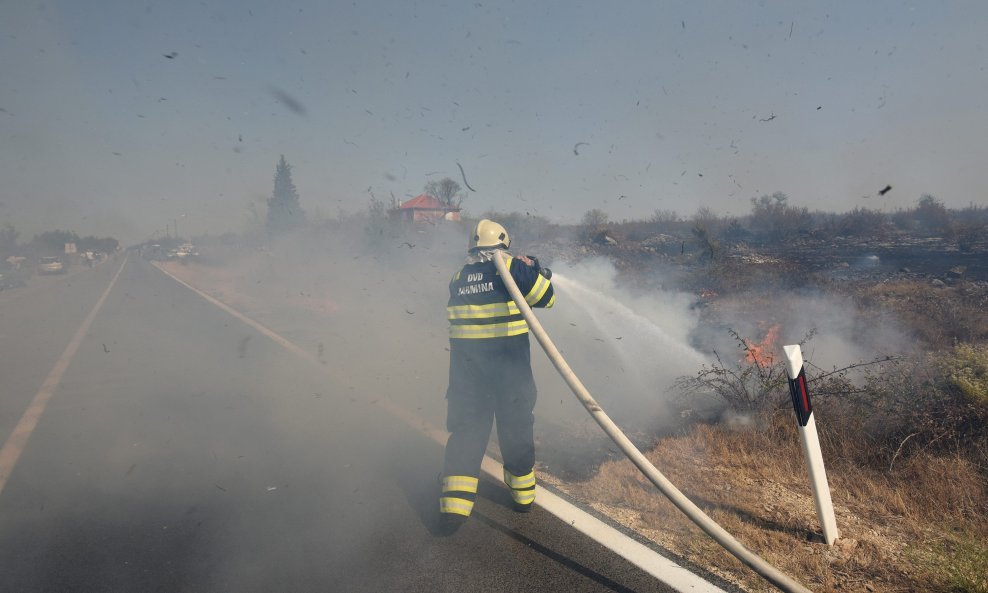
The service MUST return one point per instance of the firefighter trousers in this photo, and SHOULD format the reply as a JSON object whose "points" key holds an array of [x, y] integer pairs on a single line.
{"points": [[490, 379]]}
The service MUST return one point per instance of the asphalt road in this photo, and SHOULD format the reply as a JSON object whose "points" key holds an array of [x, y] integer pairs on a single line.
{"points": [[184, 451]]}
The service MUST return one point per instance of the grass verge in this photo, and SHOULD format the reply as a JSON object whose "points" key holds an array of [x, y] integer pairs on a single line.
{"points": [[911, 530]]}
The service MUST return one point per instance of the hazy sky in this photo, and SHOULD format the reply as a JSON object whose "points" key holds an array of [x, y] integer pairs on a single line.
{"points": [[116, 117]]}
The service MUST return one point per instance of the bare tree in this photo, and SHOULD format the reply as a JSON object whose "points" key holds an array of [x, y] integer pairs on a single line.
{"points": [[447, 191], [664, 217], [593, 225], [706, 225], [708, 219], [776, 219], [595, 219]]}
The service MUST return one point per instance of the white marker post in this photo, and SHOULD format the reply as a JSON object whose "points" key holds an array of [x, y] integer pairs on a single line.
{"points": [[811, 442]]}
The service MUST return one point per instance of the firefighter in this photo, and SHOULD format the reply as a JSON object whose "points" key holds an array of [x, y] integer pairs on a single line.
{"points": [[490, 373]]}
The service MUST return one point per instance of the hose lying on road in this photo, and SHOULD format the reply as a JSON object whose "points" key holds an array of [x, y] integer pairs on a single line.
{"points": [[718, 533]]}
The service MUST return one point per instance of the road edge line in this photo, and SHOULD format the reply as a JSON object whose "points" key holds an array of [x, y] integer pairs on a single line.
{"points": [[662, 568], [284, 343]]}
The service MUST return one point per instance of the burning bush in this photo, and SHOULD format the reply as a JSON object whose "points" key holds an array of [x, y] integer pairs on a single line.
{"points": [[883, 410], [756, 382]]}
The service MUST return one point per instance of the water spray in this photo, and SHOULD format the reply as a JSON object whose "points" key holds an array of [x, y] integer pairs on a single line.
{"points": [[773, 575], [593, 300]]}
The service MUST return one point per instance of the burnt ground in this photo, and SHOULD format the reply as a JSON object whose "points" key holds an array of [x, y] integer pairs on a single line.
{"points": [[916, 257], [838, 264]]}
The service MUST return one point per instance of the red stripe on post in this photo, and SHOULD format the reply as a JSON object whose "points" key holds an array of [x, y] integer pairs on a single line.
{"points": [[804, 393], [800, 396]]}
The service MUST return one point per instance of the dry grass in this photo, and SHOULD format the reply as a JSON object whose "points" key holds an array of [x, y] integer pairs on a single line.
{"points": [[940, 316], [899, 531]]}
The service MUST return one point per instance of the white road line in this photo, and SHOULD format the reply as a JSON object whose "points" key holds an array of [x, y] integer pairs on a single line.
{"points": [[287, 345], [660, 567], [17, 441]]}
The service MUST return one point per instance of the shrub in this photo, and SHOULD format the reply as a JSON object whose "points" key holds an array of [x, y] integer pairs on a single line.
{"points": [[932, 215], [890, 407], [593, 222], [969, 234], [524, 228], [776, 220], [920, 404], [861, 222], [756, 383], [940, 317], [967, 372], [667, 220]]}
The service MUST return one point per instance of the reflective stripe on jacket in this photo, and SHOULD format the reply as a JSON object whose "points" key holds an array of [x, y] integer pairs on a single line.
{"points": [[480, 306]]}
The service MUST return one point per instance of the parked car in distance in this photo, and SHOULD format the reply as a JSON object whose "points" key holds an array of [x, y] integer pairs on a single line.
{"points": [[186, 250], [50, 265]]}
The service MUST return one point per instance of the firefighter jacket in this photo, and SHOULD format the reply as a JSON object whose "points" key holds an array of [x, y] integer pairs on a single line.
{"points": [[479, 304]]}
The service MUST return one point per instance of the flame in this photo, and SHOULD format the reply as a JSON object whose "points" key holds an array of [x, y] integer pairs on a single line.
{"points": [[762, 353]]}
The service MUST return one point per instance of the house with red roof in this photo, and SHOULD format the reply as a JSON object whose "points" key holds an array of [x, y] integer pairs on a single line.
{"points": [[426, 208]]}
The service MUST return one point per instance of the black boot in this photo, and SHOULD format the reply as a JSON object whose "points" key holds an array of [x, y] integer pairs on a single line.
{"points": [[449, 523]]}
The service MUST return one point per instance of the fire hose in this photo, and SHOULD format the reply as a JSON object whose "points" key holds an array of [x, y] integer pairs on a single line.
{"points": [[770, 573]]}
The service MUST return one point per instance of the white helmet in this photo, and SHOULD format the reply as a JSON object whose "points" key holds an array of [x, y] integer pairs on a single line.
{"points": [[489, 234]]}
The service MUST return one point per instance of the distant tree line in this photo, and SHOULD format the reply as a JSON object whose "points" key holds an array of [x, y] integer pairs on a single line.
{"points": [[773, 219], [54, 241]]}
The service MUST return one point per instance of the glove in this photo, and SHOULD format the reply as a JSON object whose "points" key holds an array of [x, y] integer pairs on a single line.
{"points": [[538, 267]]}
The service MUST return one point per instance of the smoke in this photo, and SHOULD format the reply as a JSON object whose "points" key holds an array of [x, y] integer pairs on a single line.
{"points": [[627, 346], [834, 330], [370, 308], [211, 421]]}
